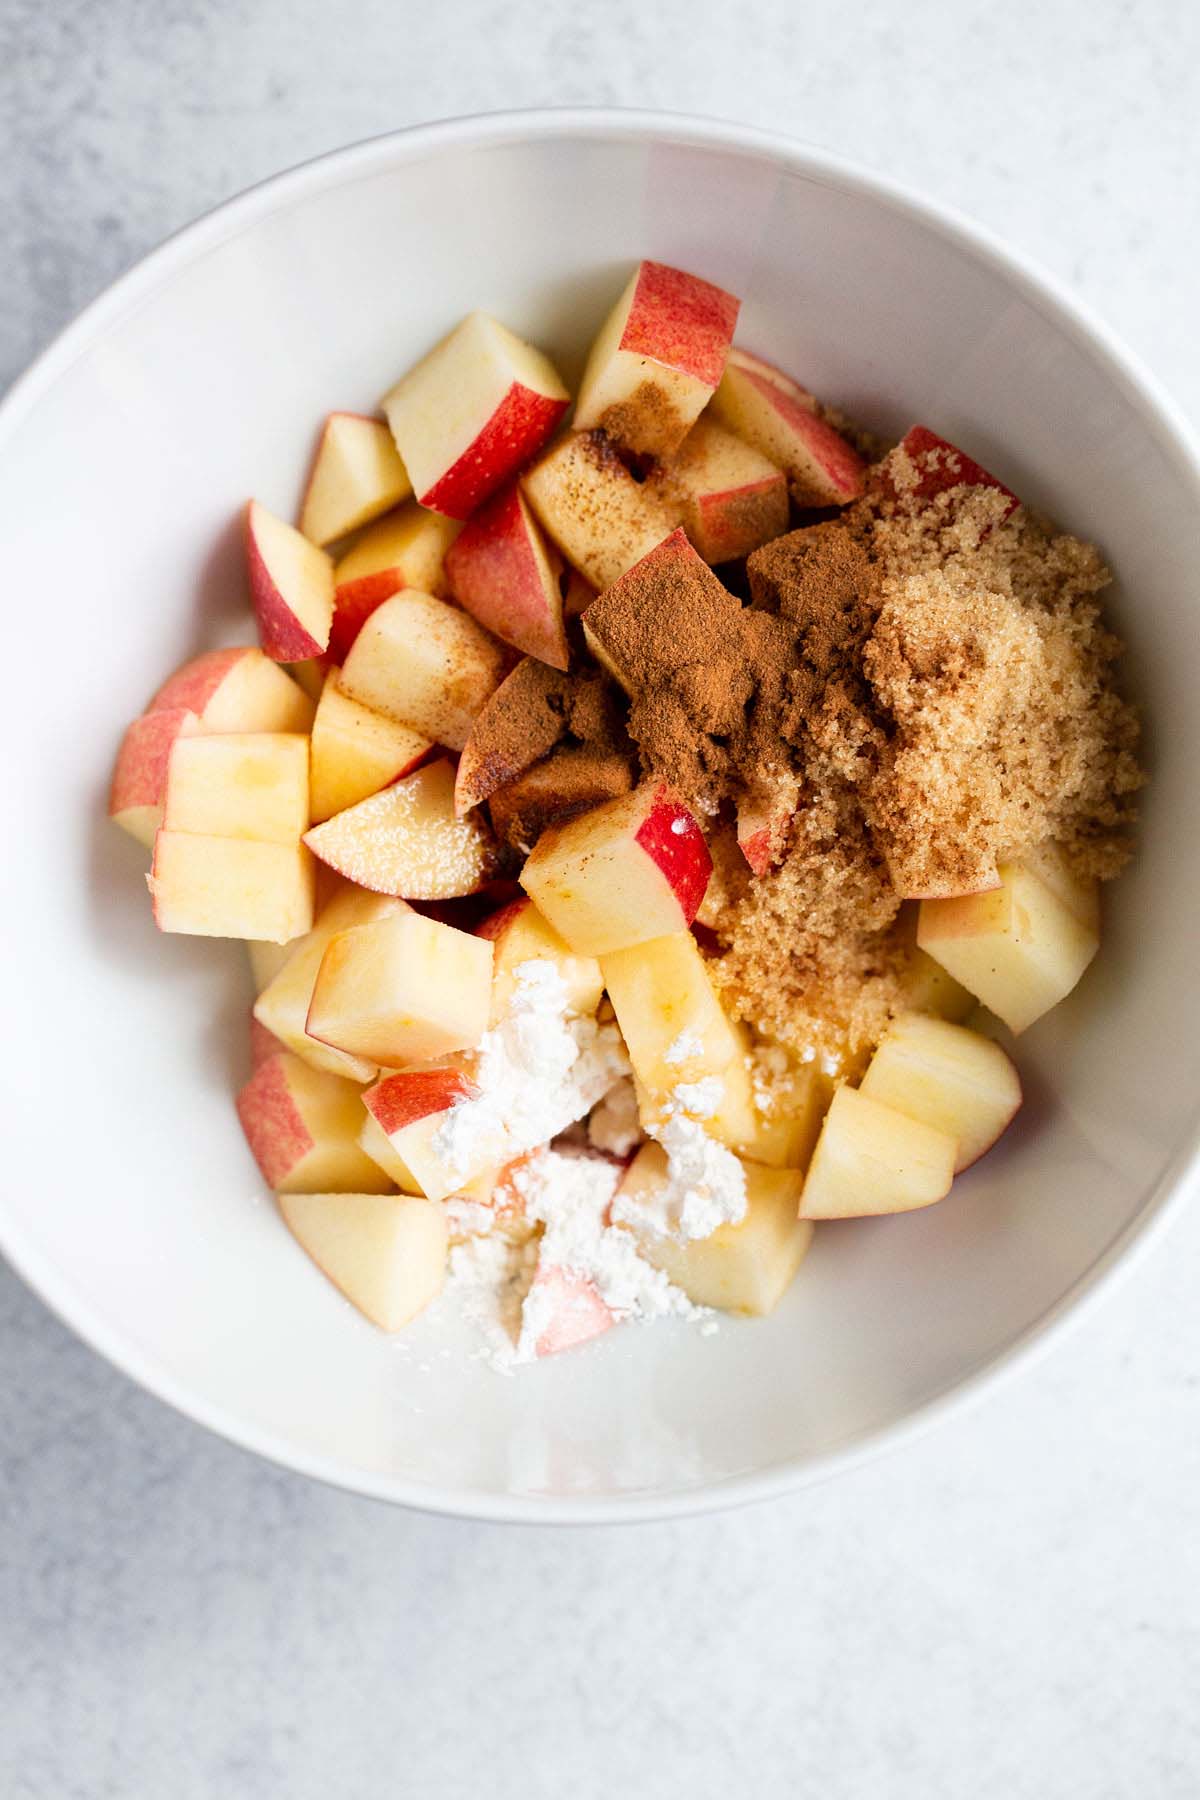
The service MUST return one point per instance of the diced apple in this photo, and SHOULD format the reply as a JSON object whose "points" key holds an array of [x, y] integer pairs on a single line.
{"points": [[665, 613], [1080, 895], [283, 1004], [667, 1008], [425, 664], [601, 518], [229, 887], [502, 572], [579, 594], [872, 1159], [409, 1109], [236, 690], [135, 798], [266, 960], [407, 989], [520, 723], [472, 412], [291, 587], [239, 785], [308, 675], [573, 779], [657, 360], [731, 498], [385, 1252], [356, 751], [563, 1309], [924, 465], [407, 549], [925, 986], [742, 1268], [948, 1077], [786, 1132], [302, 1127], [356, 475], [519, 934], [375, 1143], [633, 869], [1019, 949], [408, 840], [767, 410], [263, 1043]]}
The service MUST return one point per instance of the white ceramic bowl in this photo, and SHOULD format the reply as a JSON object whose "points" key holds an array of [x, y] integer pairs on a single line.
{"points": [[130, 1203]]}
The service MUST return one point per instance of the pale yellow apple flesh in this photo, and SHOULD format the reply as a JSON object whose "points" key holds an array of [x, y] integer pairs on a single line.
{"points": [[872, 1159], [230, 887], [302, 1127], [385, 1252], [519, 934], [239, 785], [948, 1077], [425, 664], [356, 475], [408, 840], [356, 751], [674, 1026]]}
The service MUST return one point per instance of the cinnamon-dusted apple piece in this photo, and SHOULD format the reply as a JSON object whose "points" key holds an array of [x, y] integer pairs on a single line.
{"points": [[731, 498], [534, 709], [571, 780], [601, 517], [780, 418], [657, 360]]}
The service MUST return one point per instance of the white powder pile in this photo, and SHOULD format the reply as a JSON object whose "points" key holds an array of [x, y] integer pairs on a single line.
{"points": [[683, 1048], [537, 1071], [705, 1186], [568, 1193], [614, 1125]]}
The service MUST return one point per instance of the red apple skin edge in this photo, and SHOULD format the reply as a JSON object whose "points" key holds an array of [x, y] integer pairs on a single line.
{"points": [[194, 685], [399, 1101], [839, 460], [281, 634], [682, 320], [673, 841], [966, 472], [353, 603], [516, 430]]}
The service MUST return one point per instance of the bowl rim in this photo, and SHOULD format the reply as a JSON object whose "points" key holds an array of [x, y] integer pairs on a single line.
{"points": [[1038, 287]]}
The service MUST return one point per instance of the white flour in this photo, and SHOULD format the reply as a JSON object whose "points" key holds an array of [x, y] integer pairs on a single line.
{"points": [[538, 1071], [687, 1045], [706, 1186], [568, 1193], [614, 1125]]}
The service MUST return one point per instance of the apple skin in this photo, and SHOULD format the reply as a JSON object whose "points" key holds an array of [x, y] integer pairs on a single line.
{"points": [[271, 546], [941, 467], [412, 1094], [779, 418], [236, 690], [576, 1312], [674, 841], [516, 431], [500, 572], [139, 778], [657, 359]]}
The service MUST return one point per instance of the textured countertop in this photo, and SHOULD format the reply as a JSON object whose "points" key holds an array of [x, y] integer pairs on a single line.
{"points": [[1009, 1608]]}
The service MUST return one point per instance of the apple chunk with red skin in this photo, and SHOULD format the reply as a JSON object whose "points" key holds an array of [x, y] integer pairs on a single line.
{"points": [[302, 1128], [386, 1253], [657, 360], [410, 1108], [408, 840], [872, 1159], [356, 751], [924, 465], [208, 886], [502, 572], [135, 798], [731, 498], [236, 690], [356, 475], [472, 412], [633, 869], [291, 587], [407, 549], [568, 1308], [779, 418], [948, 1077], [763, 817], [425, 664], [406, 989]]}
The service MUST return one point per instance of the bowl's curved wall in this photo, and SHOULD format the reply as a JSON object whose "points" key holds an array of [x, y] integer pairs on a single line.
{"points": [[129, 1199]]}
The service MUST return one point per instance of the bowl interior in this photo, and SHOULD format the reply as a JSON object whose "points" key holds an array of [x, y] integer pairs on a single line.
{"points": [[129, 1197]]}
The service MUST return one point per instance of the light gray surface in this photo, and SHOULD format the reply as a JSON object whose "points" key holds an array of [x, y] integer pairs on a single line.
{"points": [[1010, 1608]]}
